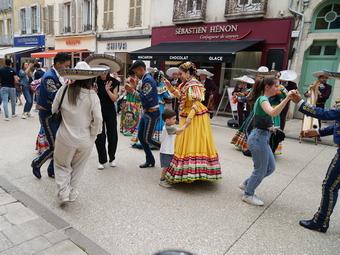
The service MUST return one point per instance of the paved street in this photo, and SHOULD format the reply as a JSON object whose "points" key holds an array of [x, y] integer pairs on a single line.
{"points": [[125, 211]]}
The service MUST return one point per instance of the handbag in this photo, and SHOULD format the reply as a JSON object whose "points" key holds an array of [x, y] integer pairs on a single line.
{"points": [[57, 115]]}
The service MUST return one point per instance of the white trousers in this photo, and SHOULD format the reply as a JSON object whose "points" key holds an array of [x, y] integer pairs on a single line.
{"points": [[69, 165]]}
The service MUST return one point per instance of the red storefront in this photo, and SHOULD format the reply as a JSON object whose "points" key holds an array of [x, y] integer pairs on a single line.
{"points": [[221, 46]]}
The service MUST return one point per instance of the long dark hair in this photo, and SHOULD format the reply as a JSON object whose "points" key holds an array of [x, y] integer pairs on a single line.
{"points": [[75, 88], [259, 88]]}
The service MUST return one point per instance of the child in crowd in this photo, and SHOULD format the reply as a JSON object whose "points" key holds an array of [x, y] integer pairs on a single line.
{"points": [[167, 140]]}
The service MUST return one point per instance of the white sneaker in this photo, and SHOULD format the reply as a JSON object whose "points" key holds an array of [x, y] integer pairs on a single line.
{"points": [[6, 119], [242, 186], [73, 195], [252, 200], [100, 167], [14, 115], [165, 184], [29, 114], [113, 164], [24, 116]]}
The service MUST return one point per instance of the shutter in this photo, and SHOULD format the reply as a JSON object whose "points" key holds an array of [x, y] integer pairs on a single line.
{"points": [[74, 16], [38, 18], [50, 19], [28, 20], [61, 18], [18, 23], [132, 14], [80, 23], [138, 18], [44, 20]]}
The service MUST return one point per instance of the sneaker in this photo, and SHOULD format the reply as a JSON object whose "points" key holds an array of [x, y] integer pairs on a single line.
{"points": [[100, 167], [14, 115], [252, 200], [29, 114], [113, 164], [165, 184], [24, 116], [73, 195], [6, 119], [242, 186]]}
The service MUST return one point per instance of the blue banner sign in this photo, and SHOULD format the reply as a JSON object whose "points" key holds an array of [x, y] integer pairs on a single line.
{"points": [[29, 41]]}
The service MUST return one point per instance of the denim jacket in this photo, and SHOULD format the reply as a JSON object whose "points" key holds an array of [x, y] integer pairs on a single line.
{"points": [[48, 89]]}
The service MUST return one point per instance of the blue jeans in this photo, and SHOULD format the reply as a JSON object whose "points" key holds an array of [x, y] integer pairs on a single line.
{"points": [[6, 94], [263, 158], [145, 131], [26, 90]]}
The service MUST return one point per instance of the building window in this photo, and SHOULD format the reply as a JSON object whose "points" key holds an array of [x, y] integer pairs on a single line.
{"points": [[189, 11], [34, 20], [87, 15], [67, 18], [328, 17], [50, 12], [23, 21], [108, 14], [135, 17]]}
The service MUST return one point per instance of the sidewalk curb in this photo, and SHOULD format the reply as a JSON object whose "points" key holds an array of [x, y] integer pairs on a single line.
{"points": [[75, 236]]}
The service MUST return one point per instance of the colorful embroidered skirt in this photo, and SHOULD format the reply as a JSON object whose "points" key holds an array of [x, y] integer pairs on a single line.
{"points": [[41, 144], [195, 155], [130, 116], [240, 138]]}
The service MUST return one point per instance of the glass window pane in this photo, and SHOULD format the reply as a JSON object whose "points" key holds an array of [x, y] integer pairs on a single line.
{"points": [[330, 50], [321, 24], [335, 24], [336, 8], [315, 50], [110, 25], [323, 12]]}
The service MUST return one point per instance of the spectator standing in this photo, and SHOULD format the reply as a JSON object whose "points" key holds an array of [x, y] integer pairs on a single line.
{"points": [[8, 79]]}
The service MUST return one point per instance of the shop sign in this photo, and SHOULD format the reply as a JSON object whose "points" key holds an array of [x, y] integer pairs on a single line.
{"points": [[144, 57], [73, 41], [212, 29], [216, 58], [116, 46], [179, 58], [33, 41]]}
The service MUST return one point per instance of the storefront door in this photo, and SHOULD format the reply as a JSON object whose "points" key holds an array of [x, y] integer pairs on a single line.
{"points": [[322, 55]]}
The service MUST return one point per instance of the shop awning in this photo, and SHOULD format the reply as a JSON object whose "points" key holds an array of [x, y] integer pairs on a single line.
{"points": [[195, 51], [9, 51], [53, 53]]}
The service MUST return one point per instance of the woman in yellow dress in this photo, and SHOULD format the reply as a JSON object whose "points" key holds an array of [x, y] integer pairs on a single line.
{"points": [[195, 155]]}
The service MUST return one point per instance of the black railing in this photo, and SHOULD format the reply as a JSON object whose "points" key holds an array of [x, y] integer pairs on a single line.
{"points": [[88, 27], [67, 29]]}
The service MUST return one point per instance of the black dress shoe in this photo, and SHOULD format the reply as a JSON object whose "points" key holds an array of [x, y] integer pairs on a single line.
{"points": [[50, 172], [36, 172], [310, 224], [247, 153], [147, 165]]}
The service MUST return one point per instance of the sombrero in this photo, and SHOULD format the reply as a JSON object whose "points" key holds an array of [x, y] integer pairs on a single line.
{"points": [[288, 75], [245, 79], [104, 60], [82, 71], [334, 75], [171, 71], [262, 71], [204, 72], [321, 73]]}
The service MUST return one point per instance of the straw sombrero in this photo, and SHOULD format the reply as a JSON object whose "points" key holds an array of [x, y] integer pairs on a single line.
{"points": [[171, 71], [82, 71], [334, 75], [104, 60], [245, 79], [321, 73], [204, 72], [262, 71], [288, 75]]}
